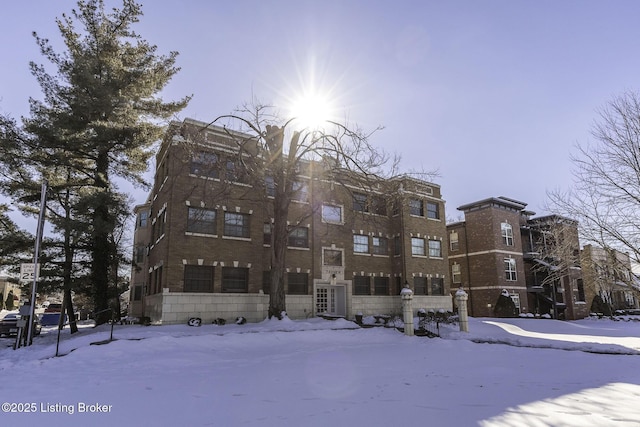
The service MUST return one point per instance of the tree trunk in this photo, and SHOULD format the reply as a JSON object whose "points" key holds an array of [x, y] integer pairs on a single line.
{"points": [[101, 248], [279, 235], [279, 239], [68, 264]]}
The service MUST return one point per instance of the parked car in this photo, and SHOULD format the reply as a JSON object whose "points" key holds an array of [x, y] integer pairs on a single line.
{"points": [[54, 307], [9, 325], [52, 319]]}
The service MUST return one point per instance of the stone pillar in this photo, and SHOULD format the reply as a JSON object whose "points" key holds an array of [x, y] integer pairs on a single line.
{"points": [[407, 310], [461, 301]]}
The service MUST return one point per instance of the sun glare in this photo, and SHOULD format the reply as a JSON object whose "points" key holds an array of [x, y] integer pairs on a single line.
{"points": [[311, 110]]}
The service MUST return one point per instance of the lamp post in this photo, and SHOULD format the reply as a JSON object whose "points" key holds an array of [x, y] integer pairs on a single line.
{"points": [[36, 257]]}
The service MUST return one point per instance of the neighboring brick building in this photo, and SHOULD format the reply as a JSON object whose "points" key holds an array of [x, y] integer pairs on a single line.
{"points": [[485, 254], [551, 249], [494, 250], [608, 274], [202, 243]]}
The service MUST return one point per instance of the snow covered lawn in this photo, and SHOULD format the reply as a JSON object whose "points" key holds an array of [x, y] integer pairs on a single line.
{"points": [[505, 372]]}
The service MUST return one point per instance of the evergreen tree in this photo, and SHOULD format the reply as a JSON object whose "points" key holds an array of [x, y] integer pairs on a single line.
{"points": [[14, 243], [97, 122]]}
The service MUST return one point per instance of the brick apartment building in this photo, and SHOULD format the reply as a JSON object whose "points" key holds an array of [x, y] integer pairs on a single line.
{"points": [[551, 248], [608, 273], [202, 239], [497, 248]]}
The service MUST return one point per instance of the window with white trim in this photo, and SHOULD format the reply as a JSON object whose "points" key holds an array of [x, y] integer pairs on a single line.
{"points": [[361, 285], [300, 191], [510, 269], [453, 241], [198, 278], [360, 244], [297, 283], [236, 224], [299, 237], [420, 285], [204, 163], [381, 285], [433, 210], [437, 286], [201, 221], [417, 246], [332, 257], [380, 245], [332, 214], [415, 207], [456, 274], [235, 280], [435, 248], [507, 233]]}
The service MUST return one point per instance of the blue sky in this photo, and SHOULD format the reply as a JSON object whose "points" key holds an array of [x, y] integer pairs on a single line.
{"points": [[493, 94]]}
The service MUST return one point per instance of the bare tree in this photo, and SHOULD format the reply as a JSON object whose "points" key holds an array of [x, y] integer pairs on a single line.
{"points": [[605, 196], [272, 154], [556, 245]]}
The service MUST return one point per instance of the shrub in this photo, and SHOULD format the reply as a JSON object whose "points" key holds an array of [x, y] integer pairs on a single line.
{"points": [[505, 307]]}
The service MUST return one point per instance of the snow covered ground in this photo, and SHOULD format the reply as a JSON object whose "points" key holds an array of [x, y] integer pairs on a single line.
{"points": [[504, 372]]}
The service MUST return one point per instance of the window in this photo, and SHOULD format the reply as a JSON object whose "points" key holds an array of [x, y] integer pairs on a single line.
{"points": [[266, 233], [435, 248], [162, 222], [453, 241], [381, 285], [201, 221], [235, 279], [510, 269], [361, 285], [507, 233], [143, 219], [204, 164], [332, 257], [300, 191], [236, 224], [398, 285], [360, 244], [397, 245], [139, 254], [516, 301], [380, 245], [580, 286], [299, 237], [230, 171], [297, 283], [378, 205], [137, 292], [433, 210], [198, 278], [437, 286], [270, 186], [415, 207], [420, 285], [359, 202], [417, 246], [331, 213], [456, 275]]}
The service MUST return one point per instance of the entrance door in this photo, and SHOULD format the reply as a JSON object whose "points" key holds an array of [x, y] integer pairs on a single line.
{"points": [[331, 300]]}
